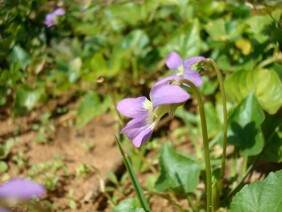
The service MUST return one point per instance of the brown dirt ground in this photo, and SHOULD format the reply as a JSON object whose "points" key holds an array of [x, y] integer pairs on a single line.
{"points": [[67, 145]]}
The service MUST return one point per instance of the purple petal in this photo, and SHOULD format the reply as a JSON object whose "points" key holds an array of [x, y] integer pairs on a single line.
{"points": [[174, 61], [142, 137], [132, 107], [59, 12], [190, 61], [50, 17], [194, 77], [4, 210], [20, 188], [136, 123], [138, 131], [168, 94], [166, 80], [49, 20]]}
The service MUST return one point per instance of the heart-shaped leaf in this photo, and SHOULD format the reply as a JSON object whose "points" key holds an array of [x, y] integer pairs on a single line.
{"points": [[264, 83], [262, 195], [178, 171], [244, 127]]}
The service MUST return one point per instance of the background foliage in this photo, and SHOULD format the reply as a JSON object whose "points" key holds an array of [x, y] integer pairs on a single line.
{"points": [[102, 51]]}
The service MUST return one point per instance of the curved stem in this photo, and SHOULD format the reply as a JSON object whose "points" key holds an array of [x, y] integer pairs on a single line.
{"points": [[206, 144], [223, 158], [222, 91]]}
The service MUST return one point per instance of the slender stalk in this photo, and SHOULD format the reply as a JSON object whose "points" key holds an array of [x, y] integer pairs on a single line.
{"points": [[223, 97], [206, 144], [245, 165], [219, 185]]}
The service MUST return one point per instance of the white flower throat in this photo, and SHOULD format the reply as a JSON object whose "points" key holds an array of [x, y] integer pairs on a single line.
{"points": [[154, 116]]}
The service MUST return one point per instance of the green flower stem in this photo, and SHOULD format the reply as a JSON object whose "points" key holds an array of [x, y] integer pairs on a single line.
{"points": [[223, 158], [245, 166], [223, 97], [206, 143]]}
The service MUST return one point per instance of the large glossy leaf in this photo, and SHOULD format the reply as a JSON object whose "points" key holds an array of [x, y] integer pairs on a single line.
{"points": [[244, 127], [128, 205], [264, 83], [260, 196], [178, 172]]}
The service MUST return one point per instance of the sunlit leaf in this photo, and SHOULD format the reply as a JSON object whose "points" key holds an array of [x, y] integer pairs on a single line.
{"points": [[244, 127], [3, 167], [128, 205], [264, 83], [256, 26], [178, 171], [26, 98], [262, 195]]}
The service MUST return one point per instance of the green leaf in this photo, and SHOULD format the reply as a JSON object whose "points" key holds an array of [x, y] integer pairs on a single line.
{"points": [[260, 196], [216, 29], [186, 41], [257, 25], [264, 83], [244, 127], [6, 147], [272, 130], [136, 185], [178, 171], [19, 55], [102, 67], [26, 98], [3, 167], [136, 41], [90, 107], [128, 205]]}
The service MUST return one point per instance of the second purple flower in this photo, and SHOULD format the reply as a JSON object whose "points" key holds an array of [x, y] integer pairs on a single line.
{"points": [[146, 114]]}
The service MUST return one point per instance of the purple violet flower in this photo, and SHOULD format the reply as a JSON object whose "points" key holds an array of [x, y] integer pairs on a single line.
{"points": [[21, 189], [51, 17], [184, 68], [146, 114]]}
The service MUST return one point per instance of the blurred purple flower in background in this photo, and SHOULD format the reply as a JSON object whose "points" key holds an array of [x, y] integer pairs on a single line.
{"points": [[51, 17], [146, 114], [21, 189], [184, 68]]}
